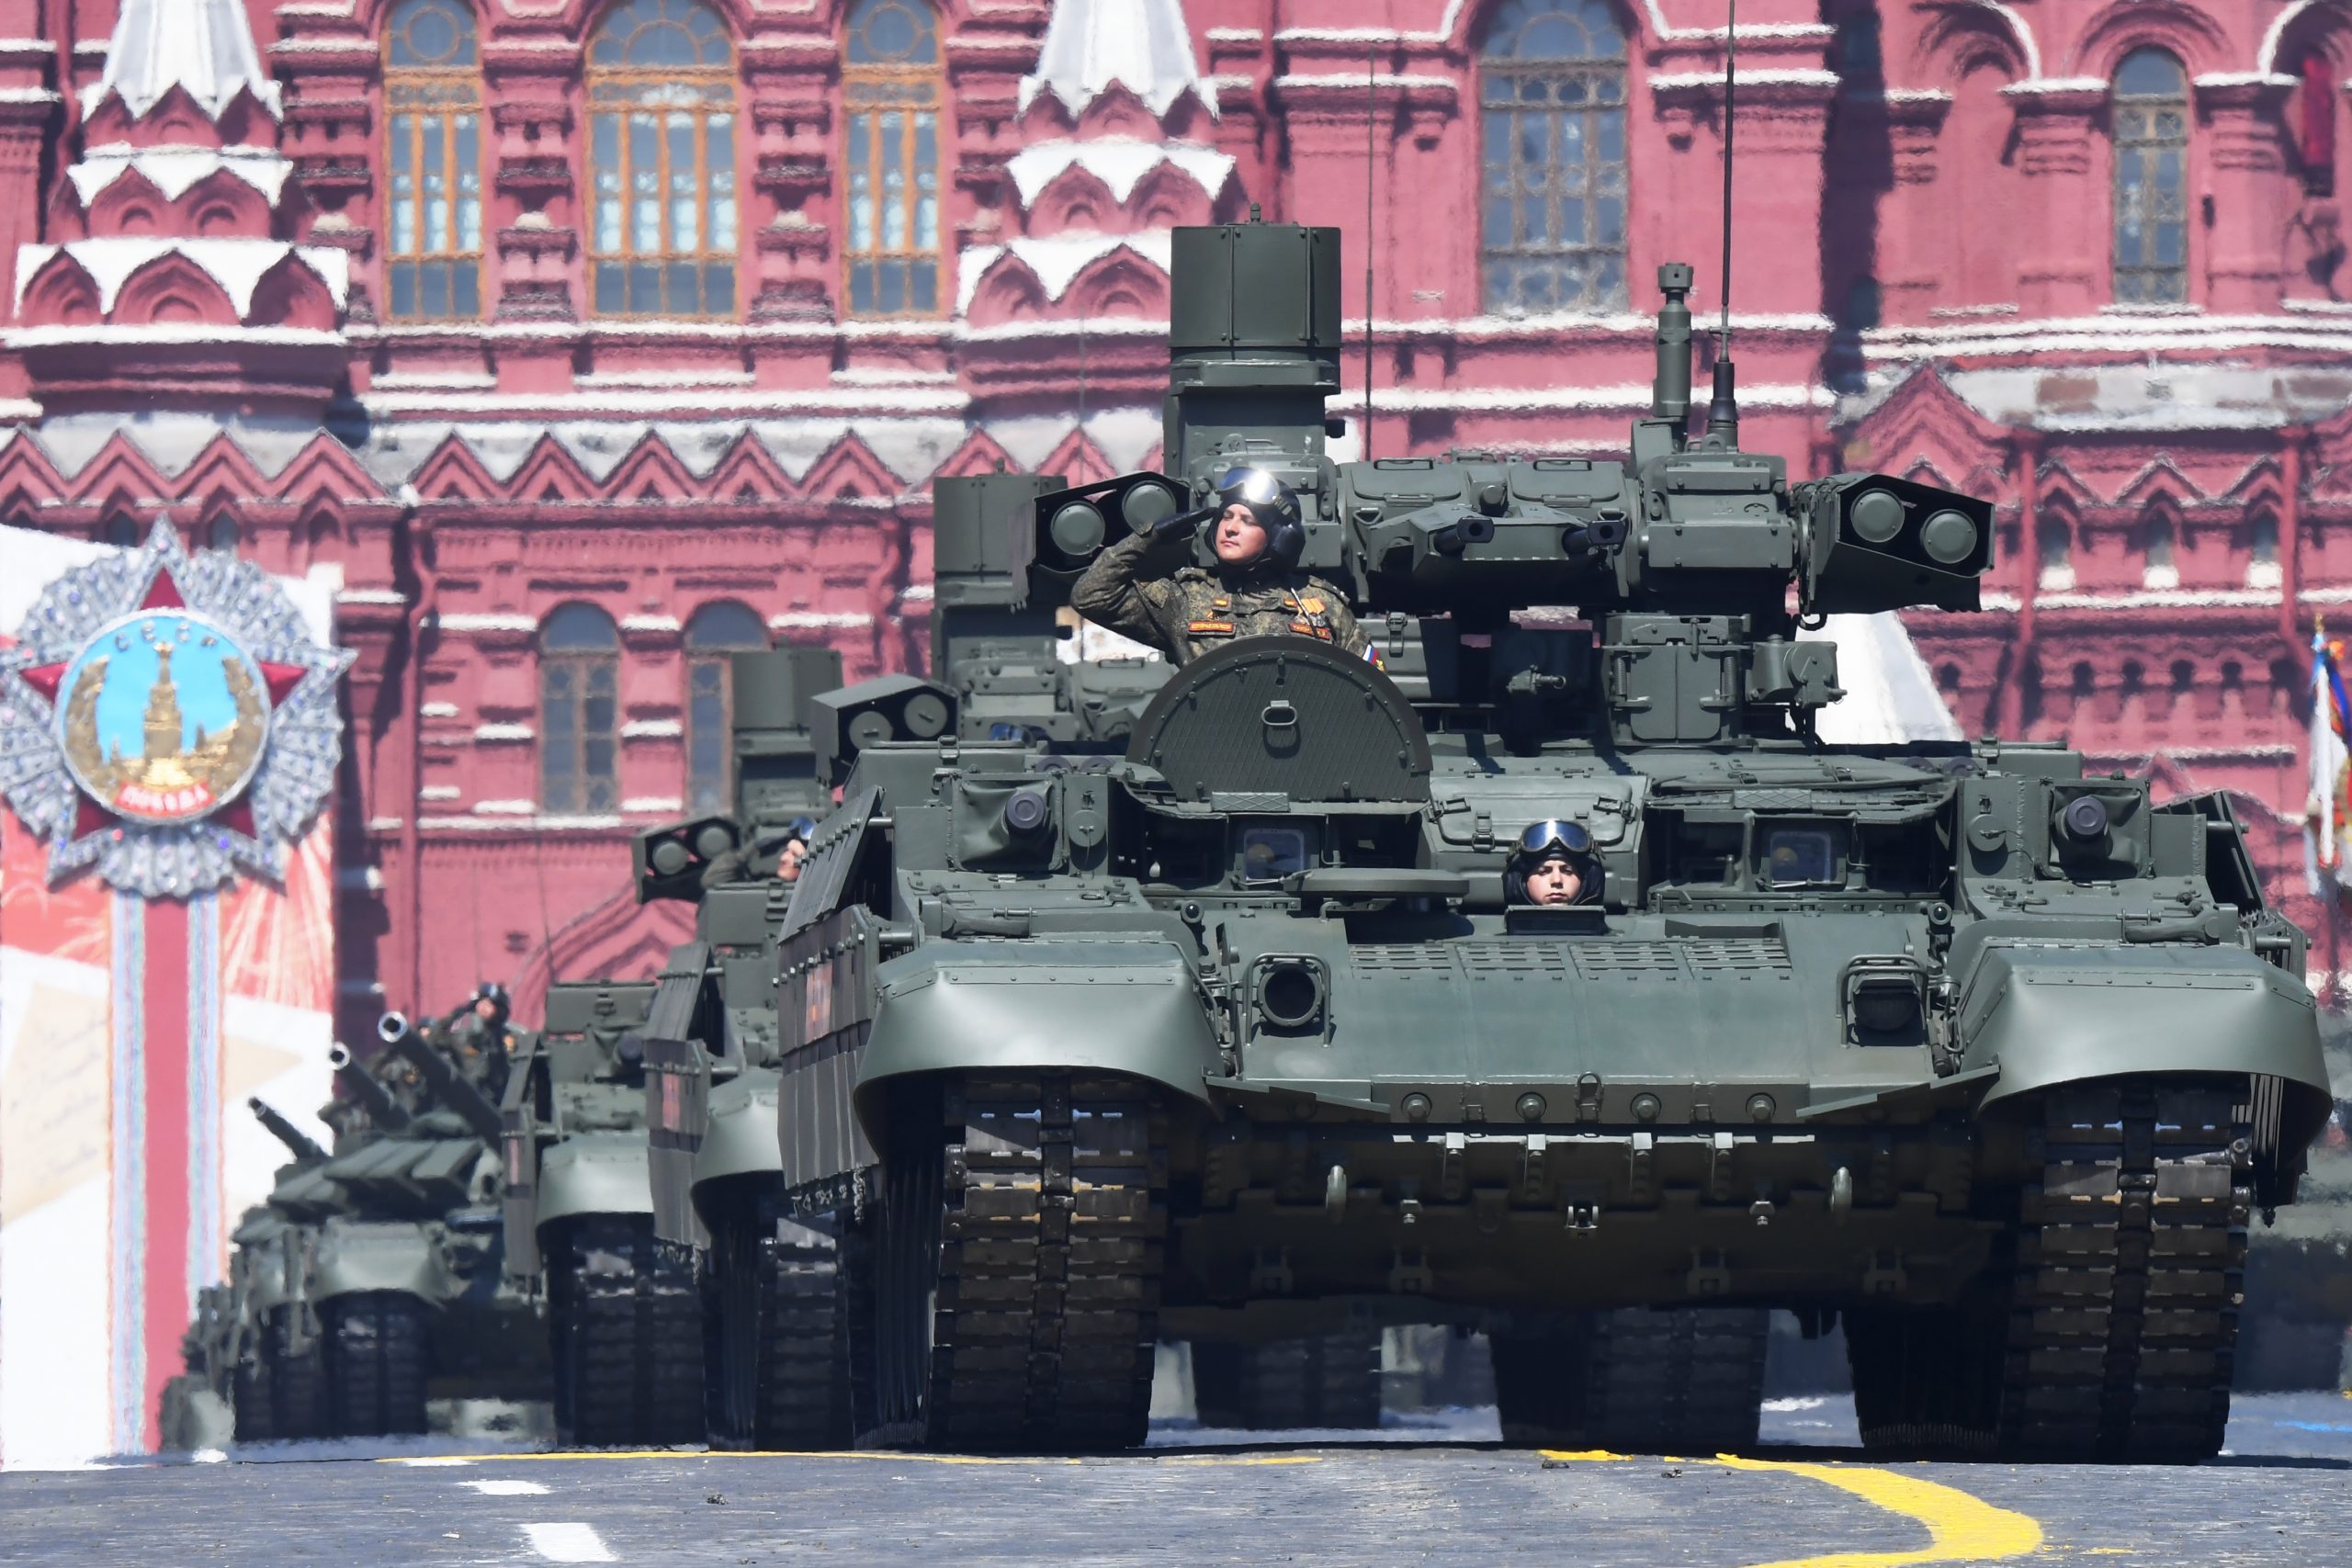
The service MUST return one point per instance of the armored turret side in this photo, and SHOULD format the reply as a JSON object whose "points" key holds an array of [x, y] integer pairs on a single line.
{"points": [[1345, 996]]}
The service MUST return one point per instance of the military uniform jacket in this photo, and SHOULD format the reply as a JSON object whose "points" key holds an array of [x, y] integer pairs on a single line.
{"points": [[1186, 612]]}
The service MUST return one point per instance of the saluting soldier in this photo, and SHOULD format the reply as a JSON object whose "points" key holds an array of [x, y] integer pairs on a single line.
{"points": [[1147, 588]]}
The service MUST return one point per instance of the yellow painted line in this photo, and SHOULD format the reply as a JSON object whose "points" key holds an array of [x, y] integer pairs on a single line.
{"points": [[894, 1456], [1960, 1529]]}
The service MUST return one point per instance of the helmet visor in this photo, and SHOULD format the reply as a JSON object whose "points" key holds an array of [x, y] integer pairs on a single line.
{"points": [[1254, 487], [1558, 836]]}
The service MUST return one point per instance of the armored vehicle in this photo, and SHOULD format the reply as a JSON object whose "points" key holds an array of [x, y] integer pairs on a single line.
{"points": [[717, 1168], [1243, 1035], [371, 1276]]}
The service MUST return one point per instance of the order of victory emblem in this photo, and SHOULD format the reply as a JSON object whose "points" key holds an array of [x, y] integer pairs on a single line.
{"points": [[168, 717]]}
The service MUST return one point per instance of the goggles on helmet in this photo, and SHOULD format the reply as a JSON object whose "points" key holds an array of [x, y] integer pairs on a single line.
{"points": [[1254, 486], [1558, 836]]}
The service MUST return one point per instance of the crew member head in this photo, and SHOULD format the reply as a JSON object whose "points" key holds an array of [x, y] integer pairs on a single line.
{"points": [[490, 1004], [1260, 525], [790, 847], [1554, 865]]}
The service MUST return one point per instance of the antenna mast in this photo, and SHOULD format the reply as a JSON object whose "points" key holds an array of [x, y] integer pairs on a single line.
{"points": [[1371, 153], [1722, 409]]}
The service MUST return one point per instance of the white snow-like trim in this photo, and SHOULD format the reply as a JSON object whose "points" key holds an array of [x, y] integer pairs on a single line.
{"points": [[439, 792], [2266, 57], [580, 822], [652, 730], [624, 380], [1236, 35], [1683, 80], [1891, 696], [651, 623], [175, 170], [168, 335], [668, 805], [1143, 45], [2040, 84], [436, 710], [2244, 79], [892, 376], [30, 95], [203, 45], [1057, 259], [1317, 80], [435, 381], [1120, 162], [819, 620], [1107, 327], [918, 594], [611, 404], [237, 266], [507, 807], [505, 732], [371, 596], [484, 621], [1627, 397]]}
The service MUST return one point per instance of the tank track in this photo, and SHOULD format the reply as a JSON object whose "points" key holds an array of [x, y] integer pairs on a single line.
{"points": [[1322, 1381], [375, 1344], [778, 1343], [250, 1397], [628, 1340], [295, 1382], [1007, 1294], [2111, 1334], [1674, 1379]]}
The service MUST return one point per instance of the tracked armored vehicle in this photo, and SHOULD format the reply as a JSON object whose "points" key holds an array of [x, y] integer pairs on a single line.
{"points": [[717, 1168], [372, 1277], [1240, 1037]]}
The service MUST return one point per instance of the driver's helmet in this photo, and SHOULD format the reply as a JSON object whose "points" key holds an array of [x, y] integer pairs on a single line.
{"points": [[1276, 506], [1557, 837]]}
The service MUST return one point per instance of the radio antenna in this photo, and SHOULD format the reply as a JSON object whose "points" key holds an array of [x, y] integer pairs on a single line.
{"points": [[1722, 409], [1371, 248]]}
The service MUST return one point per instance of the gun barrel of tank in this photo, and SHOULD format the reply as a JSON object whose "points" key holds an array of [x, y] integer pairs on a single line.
{"points": [[449, 1089], [382, 1109], [299, 1144]]}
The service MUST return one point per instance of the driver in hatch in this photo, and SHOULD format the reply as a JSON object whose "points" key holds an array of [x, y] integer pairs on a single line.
{"points": [[1147, 588], [1554, 865]]}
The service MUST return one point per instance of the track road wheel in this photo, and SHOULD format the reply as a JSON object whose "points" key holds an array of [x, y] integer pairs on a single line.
{"points": [[2110, 1333], [1321, 1381], [1004, 1290], [294, 1373], [628, 1338], [779, 1376], [375, 1363], [1676, 1380]]}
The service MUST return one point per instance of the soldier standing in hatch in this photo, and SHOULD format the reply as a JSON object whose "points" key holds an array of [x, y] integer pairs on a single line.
{"points": [[785, 848], [478, 1041], [1147, 588], [1554, 867]]}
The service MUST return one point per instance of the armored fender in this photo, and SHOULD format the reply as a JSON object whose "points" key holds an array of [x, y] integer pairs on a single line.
{"points": [[593, 1173], [1131, 1007], [355, 1257]]}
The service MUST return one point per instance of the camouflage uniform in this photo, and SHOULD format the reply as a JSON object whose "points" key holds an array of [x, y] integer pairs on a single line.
{"points": [[1188, 611]]}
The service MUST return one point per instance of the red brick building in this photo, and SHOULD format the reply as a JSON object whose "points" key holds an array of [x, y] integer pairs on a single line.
{"points": [[577, 343]]}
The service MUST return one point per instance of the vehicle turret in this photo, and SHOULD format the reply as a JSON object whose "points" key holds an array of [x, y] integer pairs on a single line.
{"points": [[384, 1112], [448, 1087]]}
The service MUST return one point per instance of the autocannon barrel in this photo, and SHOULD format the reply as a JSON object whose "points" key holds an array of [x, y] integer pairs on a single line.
{"points": [[448, 1087], [299, 1144], [382, 1109]]}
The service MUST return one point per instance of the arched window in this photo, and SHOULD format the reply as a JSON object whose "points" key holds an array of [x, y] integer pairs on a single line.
{"points": [[2150, 126], [716, 631], [890, 90], [2314, 122], [580, 655], [1552, 223], [2262, 553], [2158, 567], [661, 162], [433, 154], [2054, 544]]}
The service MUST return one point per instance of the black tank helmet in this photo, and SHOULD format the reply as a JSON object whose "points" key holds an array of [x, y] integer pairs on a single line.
{"points": [[1276, 506], [1558, 838]]}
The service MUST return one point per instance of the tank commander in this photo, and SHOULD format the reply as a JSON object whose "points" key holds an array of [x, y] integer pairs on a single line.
{"points": [[774, 853], [1554, 867], [1145, 586], [478, 1041]]}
